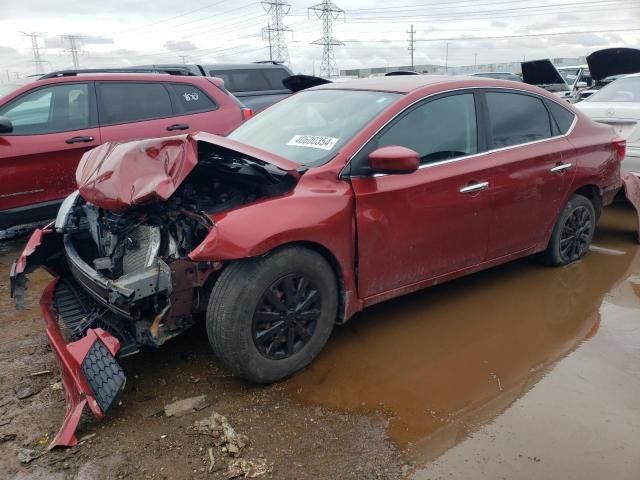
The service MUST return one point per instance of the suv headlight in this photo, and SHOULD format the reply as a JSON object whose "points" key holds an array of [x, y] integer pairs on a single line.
{"points": [[65, 208]]}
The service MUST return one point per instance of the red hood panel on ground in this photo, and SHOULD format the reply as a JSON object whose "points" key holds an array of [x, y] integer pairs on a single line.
{"points": [[118, 175]]}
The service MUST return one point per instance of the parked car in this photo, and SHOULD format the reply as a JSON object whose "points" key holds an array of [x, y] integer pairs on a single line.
{"points": [[609, 65], [257, 85], [618, 105], [47, 125], [498, 75], [337, 198], [565, 82]]}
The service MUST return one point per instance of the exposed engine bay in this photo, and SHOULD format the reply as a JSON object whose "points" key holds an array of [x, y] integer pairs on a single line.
{"points": [[129, 271]]}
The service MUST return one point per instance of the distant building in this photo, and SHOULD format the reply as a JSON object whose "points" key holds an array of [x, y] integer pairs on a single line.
{"points": [[513, 67]]}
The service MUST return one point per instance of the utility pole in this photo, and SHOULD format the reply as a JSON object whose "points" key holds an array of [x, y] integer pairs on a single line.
{"points": [[328, 12], [35, 50], [276, 30], [74, 42], [411, 44], [446, 59], [475, 60], [183, 58]]}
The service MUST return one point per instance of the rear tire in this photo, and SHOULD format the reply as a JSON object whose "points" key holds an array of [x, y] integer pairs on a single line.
{"points": [[268, 317], [573, 232]]}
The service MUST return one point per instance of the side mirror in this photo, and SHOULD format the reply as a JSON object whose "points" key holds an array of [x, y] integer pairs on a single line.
{"points": [[394, 159], [5, 125], [581, 85]]}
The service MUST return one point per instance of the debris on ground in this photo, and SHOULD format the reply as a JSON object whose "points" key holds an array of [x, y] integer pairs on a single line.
{"points": [[7, 437], [212, 460], [224, 435], [248, 468], [27, 455], [186, 406], [26, 391], [40, 373]]}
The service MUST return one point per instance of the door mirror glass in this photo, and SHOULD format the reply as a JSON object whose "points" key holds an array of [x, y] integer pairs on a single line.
{"points": [[394, 159], [582, 85], [5, 125]]}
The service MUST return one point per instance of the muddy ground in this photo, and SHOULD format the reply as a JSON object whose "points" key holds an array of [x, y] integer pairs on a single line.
{"points": [[522, 371]]}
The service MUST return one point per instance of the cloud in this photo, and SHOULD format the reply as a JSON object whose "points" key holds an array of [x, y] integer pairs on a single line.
{"points": [[499, 24], [180, 45], [7, 51], [61, 42]]}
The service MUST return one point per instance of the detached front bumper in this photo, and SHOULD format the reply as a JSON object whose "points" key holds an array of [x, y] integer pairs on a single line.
{"points": [[90, 374]]}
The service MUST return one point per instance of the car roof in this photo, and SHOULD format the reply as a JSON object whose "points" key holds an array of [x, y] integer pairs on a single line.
{"points": [[573, 66], [126, 77], [409, 83], [243, 66], [489, 73]]}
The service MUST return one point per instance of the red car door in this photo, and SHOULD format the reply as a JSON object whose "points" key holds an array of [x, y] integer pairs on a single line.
{"points": [[130, 110], [434, 221], [533, 171], [53, 125]]}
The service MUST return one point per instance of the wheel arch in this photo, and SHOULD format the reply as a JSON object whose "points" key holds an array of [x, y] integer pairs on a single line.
{"points": [[593, 193]]}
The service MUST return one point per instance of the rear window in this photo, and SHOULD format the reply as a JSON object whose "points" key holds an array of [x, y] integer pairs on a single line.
{"points": [[191, 99], [132, 102], [562, 116], [242, 80], [626, 89]]}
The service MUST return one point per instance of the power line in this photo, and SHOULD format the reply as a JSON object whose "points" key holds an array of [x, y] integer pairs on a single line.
{"points": [[328, 12], [35, 51], [73, 50], [276, 30], [411, 43]]}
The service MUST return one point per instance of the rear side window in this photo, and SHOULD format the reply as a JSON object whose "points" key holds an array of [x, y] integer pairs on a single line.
{"points": [[275, 77], [516, 118], [191, 99], [133, 102], [52, 109], [245, 80], [562, 116]]}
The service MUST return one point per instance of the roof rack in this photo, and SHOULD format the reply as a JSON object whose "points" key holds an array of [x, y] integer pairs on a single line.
{"points": [[272, 62], [71, 73]]}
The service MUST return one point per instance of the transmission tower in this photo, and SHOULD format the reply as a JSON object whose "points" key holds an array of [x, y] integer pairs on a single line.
{"points": [[328, 12], [412, 42], [35, 50], [275, 32], [73, 50]]}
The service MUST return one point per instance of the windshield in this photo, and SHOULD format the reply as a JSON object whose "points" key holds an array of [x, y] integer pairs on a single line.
{"points": [[311, 126], [569, 75], [624, 90]]}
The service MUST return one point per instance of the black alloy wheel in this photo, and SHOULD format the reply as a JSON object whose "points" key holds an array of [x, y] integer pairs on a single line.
{"points": [[286, 316], [576, 234]]}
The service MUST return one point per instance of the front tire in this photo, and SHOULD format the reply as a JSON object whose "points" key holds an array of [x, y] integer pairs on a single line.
{"points": [[268, 317], [572, 233]]}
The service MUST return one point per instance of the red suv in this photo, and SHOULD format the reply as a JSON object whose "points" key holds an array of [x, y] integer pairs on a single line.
{"points": [[47, 125]]}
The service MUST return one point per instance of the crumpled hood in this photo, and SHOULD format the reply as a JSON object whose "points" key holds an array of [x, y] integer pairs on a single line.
{"points": [[118, 175], [613, 61], [541, 72]]}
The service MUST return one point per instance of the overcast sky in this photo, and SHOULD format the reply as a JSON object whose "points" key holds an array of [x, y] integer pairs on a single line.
{"points": [[128, 32]]}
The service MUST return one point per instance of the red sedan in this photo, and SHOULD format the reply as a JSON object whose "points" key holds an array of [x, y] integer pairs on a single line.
{"points": [[332, 200]]}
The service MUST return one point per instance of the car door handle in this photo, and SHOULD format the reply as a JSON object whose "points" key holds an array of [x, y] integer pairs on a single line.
{"points": [[561, 167], [475, 187], [178, 126], [79, 140]]}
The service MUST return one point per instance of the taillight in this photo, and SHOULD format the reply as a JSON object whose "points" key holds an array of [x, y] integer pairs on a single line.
{"points": [[247, 113], [620, 145]]}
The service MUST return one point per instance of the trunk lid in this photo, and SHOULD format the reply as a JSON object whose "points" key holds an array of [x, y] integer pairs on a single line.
{"points": [[118, 175]]}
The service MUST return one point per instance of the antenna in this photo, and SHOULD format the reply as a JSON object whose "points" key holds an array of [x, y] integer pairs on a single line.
{"points": [[275, 31], [35, 50], [73, 50], [412, 48], [327, 11]]}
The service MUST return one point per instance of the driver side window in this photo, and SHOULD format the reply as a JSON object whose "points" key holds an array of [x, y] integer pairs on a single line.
{"points": [[441, 129]]}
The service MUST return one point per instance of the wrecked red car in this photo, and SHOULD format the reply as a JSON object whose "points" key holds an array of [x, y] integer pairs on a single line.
{"points": [[332, 200]]}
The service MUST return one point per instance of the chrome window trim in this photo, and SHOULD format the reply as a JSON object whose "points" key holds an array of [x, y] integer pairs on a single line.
{"points": [[444, 162]]}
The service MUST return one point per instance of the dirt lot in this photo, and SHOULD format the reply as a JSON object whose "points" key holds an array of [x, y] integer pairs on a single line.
{"points": [[520, 372]]}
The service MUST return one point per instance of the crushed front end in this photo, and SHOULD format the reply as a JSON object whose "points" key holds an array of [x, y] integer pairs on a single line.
{"points": [[119, 253]]}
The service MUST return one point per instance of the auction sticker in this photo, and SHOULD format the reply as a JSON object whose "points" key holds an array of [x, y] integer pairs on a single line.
{"points": [[313, 141]]}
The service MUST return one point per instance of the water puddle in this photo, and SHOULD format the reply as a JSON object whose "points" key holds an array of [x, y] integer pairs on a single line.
{"points": [[442, 362]]}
